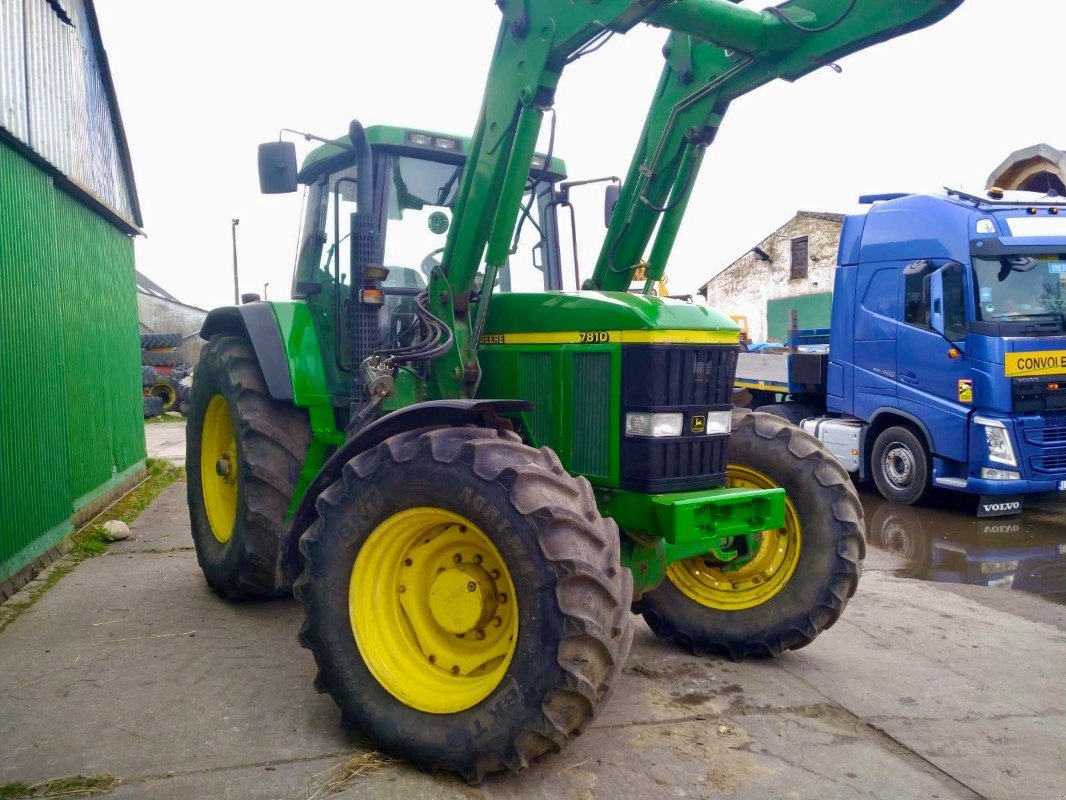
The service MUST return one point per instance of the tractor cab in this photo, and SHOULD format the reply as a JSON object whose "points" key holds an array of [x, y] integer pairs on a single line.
{"points": [[416, 178]]}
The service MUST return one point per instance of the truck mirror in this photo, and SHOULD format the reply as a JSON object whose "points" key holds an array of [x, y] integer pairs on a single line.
{"points": [[936, 301], [610, 200], [946, 303], [277, 167]]}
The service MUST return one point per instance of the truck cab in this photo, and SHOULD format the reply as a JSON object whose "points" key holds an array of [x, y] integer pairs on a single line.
{"points": [[947, 347]]}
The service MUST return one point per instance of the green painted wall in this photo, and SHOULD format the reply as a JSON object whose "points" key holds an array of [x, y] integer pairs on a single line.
{"points": [[70, 408], [813, 311]]}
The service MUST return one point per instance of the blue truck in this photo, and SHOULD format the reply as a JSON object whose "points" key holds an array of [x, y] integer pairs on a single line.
{"points": [[945, 361]]}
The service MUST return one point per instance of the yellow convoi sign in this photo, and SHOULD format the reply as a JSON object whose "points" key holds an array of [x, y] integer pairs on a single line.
{"points": [[1045, 362], [614, 337]]}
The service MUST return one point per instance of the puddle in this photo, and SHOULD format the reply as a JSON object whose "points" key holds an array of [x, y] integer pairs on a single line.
{"points": [[944, 541]]}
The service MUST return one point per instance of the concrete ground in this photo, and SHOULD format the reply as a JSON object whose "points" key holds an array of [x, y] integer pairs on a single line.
{"points": [[132, 667], [166, 440]]}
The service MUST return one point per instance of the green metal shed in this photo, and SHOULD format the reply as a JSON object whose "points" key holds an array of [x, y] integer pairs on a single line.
{"points": [[71, 427]]}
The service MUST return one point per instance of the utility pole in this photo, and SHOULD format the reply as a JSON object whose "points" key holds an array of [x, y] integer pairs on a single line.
{"points": [[265, 285], [236, 291]]}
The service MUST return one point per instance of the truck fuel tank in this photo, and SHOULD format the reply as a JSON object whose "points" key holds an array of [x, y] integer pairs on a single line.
{"points": [[841, 437]]}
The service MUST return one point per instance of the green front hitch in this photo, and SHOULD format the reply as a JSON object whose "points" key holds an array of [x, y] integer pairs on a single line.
{"points": [[720, 525]]}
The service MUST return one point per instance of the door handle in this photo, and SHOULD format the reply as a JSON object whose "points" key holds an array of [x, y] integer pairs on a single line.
{"points": [[908, 377]]}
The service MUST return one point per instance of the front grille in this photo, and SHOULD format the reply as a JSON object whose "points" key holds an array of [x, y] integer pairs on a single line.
{"points": [[1046, 436], [692, 379], [1053, 463]]}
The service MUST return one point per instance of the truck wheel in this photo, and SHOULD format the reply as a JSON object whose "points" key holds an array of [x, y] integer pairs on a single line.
{"points": [[244, 453], [899, 464], [802, 575], [465, 600]]}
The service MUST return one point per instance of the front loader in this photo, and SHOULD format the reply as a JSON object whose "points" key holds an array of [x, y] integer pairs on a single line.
{"points": [[469, 464]]}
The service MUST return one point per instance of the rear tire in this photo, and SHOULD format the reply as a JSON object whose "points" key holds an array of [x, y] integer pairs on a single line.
{"points": [[802, 576], [409, 507], [242, 473], [900, 466]]}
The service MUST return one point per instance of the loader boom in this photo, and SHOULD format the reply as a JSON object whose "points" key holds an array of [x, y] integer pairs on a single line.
{"points": [[716, 52]]}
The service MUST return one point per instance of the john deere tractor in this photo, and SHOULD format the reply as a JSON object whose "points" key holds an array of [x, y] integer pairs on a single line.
{"points": [[469, 464]]}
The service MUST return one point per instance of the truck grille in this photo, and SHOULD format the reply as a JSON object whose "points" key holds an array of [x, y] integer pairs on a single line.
{"points": [[1053, 463], [693, 380]]}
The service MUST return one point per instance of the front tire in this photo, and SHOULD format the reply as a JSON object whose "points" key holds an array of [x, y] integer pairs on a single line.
{"points": [[801, 577], [899, 463], [244, 452], [465, 600]]}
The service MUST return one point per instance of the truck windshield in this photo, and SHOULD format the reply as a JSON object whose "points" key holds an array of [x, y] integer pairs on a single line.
{"points": [[1021, 288]]}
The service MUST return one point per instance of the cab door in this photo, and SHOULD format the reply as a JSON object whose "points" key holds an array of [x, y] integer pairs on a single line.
{"points": [[935, 378]]}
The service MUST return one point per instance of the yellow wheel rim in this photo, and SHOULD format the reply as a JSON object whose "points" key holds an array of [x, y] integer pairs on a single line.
{"points": [[755, 582], [433, 610], [218, 468], [166, 393]]}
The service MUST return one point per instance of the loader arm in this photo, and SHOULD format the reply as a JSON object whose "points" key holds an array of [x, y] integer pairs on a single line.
{"points": [[707, 67], [718, 51]]}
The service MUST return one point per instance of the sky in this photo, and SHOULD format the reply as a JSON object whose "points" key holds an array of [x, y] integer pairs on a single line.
{"points": [[201, 83]]}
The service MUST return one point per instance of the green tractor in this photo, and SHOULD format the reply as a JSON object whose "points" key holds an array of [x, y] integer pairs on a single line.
{"points": [[469, 468]]}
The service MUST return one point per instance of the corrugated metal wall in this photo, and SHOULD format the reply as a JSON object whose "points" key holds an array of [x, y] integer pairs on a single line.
{"points": [[103, 394], [35, 488], [70, 394], [53, 98]]}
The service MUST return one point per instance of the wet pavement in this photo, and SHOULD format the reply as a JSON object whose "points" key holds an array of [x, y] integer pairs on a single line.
{"points": [[943, 541]]}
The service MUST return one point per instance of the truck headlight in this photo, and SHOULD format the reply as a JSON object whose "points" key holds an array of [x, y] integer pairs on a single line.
{"points": [[1000, 450], [993, 474], [647, 423]]}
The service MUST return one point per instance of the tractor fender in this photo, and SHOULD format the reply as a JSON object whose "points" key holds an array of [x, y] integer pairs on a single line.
{"points": [[430, 414], [257, 322]]}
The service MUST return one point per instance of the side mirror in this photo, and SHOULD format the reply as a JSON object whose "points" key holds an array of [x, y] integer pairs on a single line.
{"points": [[936, 301], [610, 200], [946, 303], [277, 167]]}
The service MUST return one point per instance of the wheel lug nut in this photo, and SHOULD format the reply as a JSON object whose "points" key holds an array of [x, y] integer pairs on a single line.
{"points": [[222, 467], [503, 597], [432, 659], [455, 670], [402, 589], [471, 587], [457, 558], [497, 622], [479, 634], [407, 562], [495, 574], [478, 559]]}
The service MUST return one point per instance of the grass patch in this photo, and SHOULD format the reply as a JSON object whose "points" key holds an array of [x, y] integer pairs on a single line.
{"points": [[92, 540], [80, 786], [163, 419]]}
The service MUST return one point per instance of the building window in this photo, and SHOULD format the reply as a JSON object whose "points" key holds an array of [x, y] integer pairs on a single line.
{"points": [[799, 262]]}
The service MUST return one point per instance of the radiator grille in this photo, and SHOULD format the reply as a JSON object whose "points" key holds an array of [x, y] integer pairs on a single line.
{"points": [[693, 380], [591, 414]]}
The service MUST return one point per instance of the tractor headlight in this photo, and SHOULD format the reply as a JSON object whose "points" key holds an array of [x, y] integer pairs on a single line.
{"points": [[647, 423], [719, 422], [1000, 450]]}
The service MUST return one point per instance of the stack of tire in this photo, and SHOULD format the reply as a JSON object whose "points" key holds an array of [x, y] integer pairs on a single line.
{"points": [[164, 377]]}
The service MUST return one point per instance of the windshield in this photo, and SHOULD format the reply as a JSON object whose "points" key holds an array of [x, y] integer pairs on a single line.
{"points": [[1021, 288], [418, 197]]}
